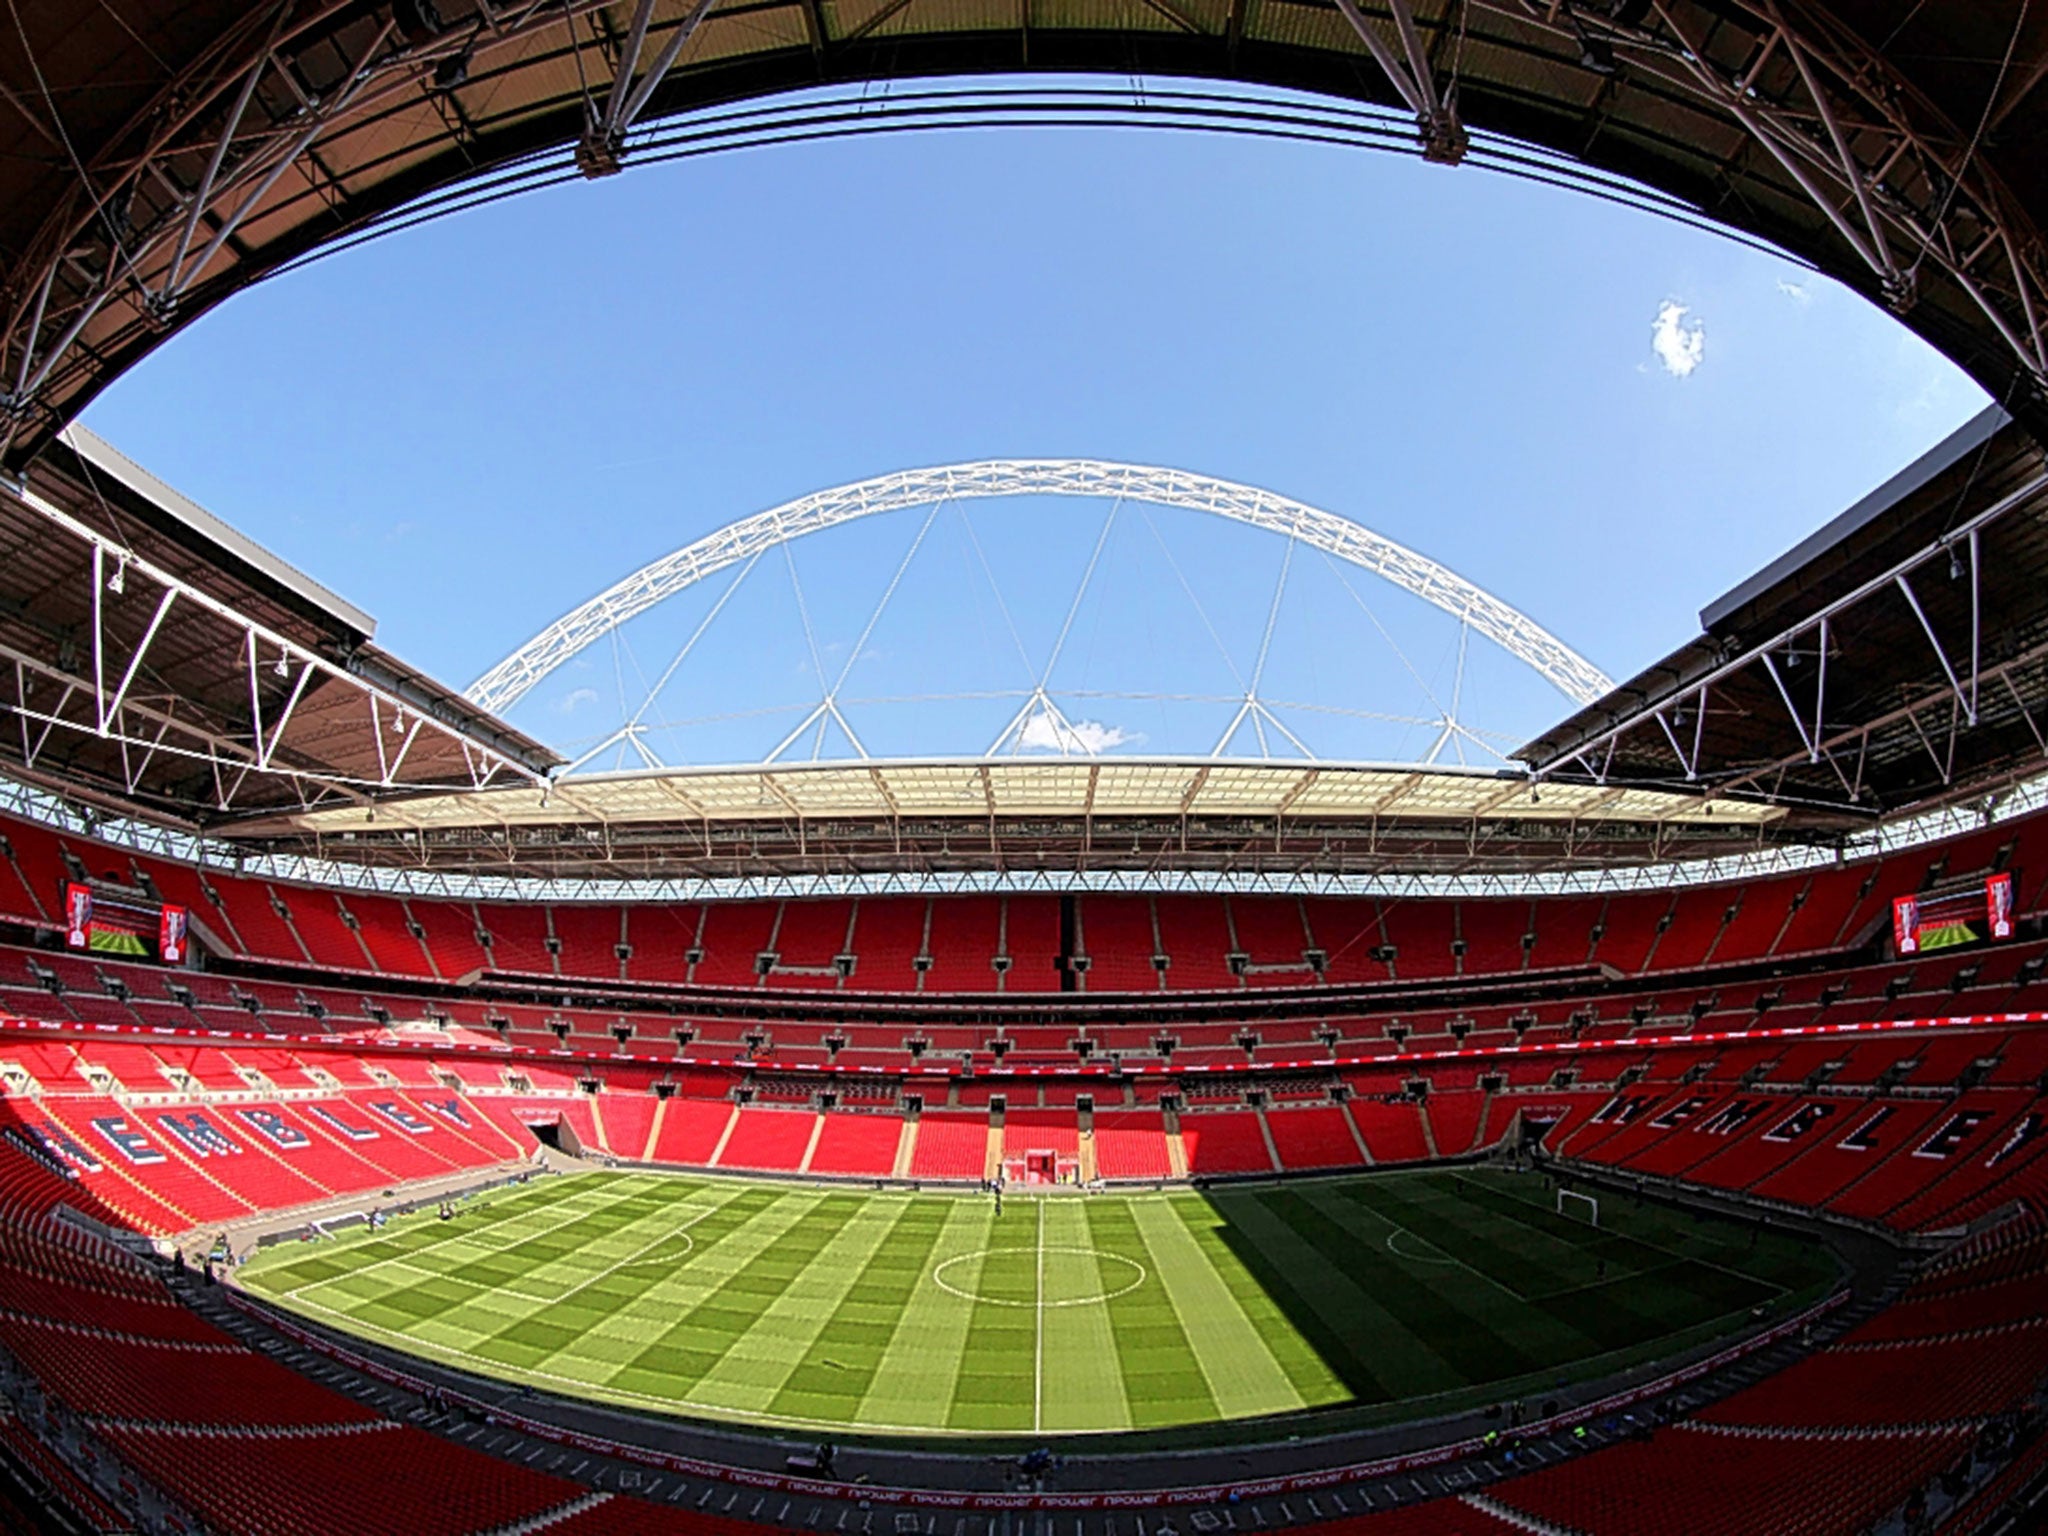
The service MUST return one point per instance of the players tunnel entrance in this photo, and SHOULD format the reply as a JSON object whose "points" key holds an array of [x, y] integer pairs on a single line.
{"points": [[556, 1133]]}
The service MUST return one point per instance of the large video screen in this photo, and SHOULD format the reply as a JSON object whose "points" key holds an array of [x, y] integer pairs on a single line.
{"points": [[1976, 914], [123, 926]]}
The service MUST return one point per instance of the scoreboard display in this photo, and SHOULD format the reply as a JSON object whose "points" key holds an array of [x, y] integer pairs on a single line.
{"points": [[1975, 914], [119, 925]]}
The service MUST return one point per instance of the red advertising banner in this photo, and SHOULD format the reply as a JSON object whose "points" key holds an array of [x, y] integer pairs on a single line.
{"points": [[1998, 904], [77, 914], [170, 935], [1906, 924]]}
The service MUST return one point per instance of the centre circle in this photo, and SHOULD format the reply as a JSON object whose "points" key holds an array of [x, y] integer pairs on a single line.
{"points": [[1115, 1275]]}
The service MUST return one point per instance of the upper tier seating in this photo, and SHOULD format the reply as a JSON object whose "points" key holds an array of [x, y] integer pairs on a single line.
{"points": [[1034, 944]]}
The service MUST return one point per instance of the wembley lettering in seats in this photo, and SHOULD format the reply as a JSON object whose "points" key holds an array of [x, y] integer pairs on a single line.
{"points": [[1864, 1137], [401, 1117], [275, 1129], [201, 1137], [1624, 1108], [333, 1119], [127, 1140], [449, 1109], [1732, 1116], [1679, 1113], [54, 1148], [2024, 1134], [1801, 1121], [1955, 1130]]}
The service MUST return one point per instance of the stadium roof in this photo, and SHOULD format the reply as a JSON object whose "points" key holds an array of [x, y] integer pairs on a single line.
{"points": [[1022, 813], [156, 662], [165, 667], [157, 156], [1895, 660], [156, 159]]}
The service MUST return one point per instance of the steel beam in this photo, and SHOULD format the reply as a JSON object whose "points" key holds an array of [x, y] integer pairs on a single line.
{"points": [[1444, 139]]}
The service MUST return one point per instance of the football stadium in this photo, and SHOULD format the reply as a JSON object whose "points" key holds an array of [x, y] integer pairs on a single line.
{"points": [[418, 1115]]}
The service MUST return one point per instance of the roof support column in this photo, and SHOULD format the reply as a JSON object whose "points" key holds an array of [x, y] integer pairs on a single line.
{"points": [[1444, 139], [604, 143]]}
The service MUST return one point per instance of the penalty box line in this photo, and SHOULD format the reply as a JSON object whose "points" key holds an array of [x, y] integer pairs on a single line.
{"points": [[1672, 1258], [470, 1234]]}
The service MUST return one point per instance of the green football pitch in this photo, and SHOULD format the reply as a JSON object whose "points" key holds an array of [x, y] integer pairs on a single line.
{"points": [[1379, 1296]]}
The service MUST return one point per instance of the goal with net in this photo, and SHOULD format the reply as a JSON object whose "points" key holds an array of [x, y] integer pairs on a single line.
{"points": [[1572, 1203]]}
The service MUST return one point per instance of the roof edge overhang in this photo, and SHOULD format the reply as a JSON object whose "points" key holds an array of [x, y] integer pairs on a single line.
{"points": [[1097, 790]]}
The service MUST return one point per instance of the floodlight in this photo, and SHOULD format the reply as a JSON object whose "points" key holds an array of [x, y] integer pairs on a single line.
{"points": [[118, 582]]}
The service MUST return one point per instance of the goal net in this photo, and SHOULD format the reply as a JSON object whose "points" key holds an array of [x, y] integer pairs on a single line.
{"points": [[1571, 1203]]}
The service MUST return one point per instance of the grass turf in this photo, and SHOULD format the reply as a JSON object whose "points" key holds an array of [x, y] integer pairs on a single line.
{"points": [[1379, 1296]]}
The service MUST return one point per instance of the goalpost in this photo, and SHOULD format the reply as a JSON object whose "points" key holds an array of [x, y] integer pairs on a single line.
{"points": [[1591, 1206]]}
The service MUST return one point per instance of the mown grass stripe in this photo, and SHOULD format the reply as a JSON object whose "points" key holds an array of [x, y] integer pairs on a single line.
{"points": [[1252, 1338], [917, 1379], [358, 1252], [1082, 1384], [759, 1361], [1163, 1378], [458, 1267], [1336, 1308], [995, 1386], [750, 1249], [585, 1317], [846, 1353], [1460, 1318], [1307, 1375], [1478, 1284]]}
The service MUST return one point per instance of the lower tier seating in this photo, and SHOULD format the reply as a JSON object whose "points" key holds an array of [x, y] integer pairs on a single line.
{"points": [[1825, 1447], [1710, 1484], [950, 1146], [1226, 1141]]}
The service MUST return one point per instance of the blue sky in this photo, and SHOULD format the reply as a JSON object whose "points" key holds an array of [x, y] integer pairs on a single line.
{"points": [[468, 428]]}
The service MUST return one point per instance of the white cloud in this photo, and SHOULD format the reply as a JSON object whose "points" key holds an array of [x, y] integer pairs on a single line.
{"points": [[1046, 732], [1680, 344], [1798, 293], [575, 699]]}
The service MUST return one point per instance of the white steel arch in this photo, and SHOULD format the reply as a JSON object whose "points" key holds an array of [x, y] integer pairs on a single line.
{"points": [[1574, 676]]}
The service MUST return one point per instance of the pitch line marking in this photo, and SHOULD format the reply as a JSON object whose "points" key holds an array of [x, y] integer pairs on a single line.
{"points": [[1671, 1255], [476, 1233], [1444, 1260], [640, 1253], [1038, 1364], [1041, 1303], [1365, 1207]]}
